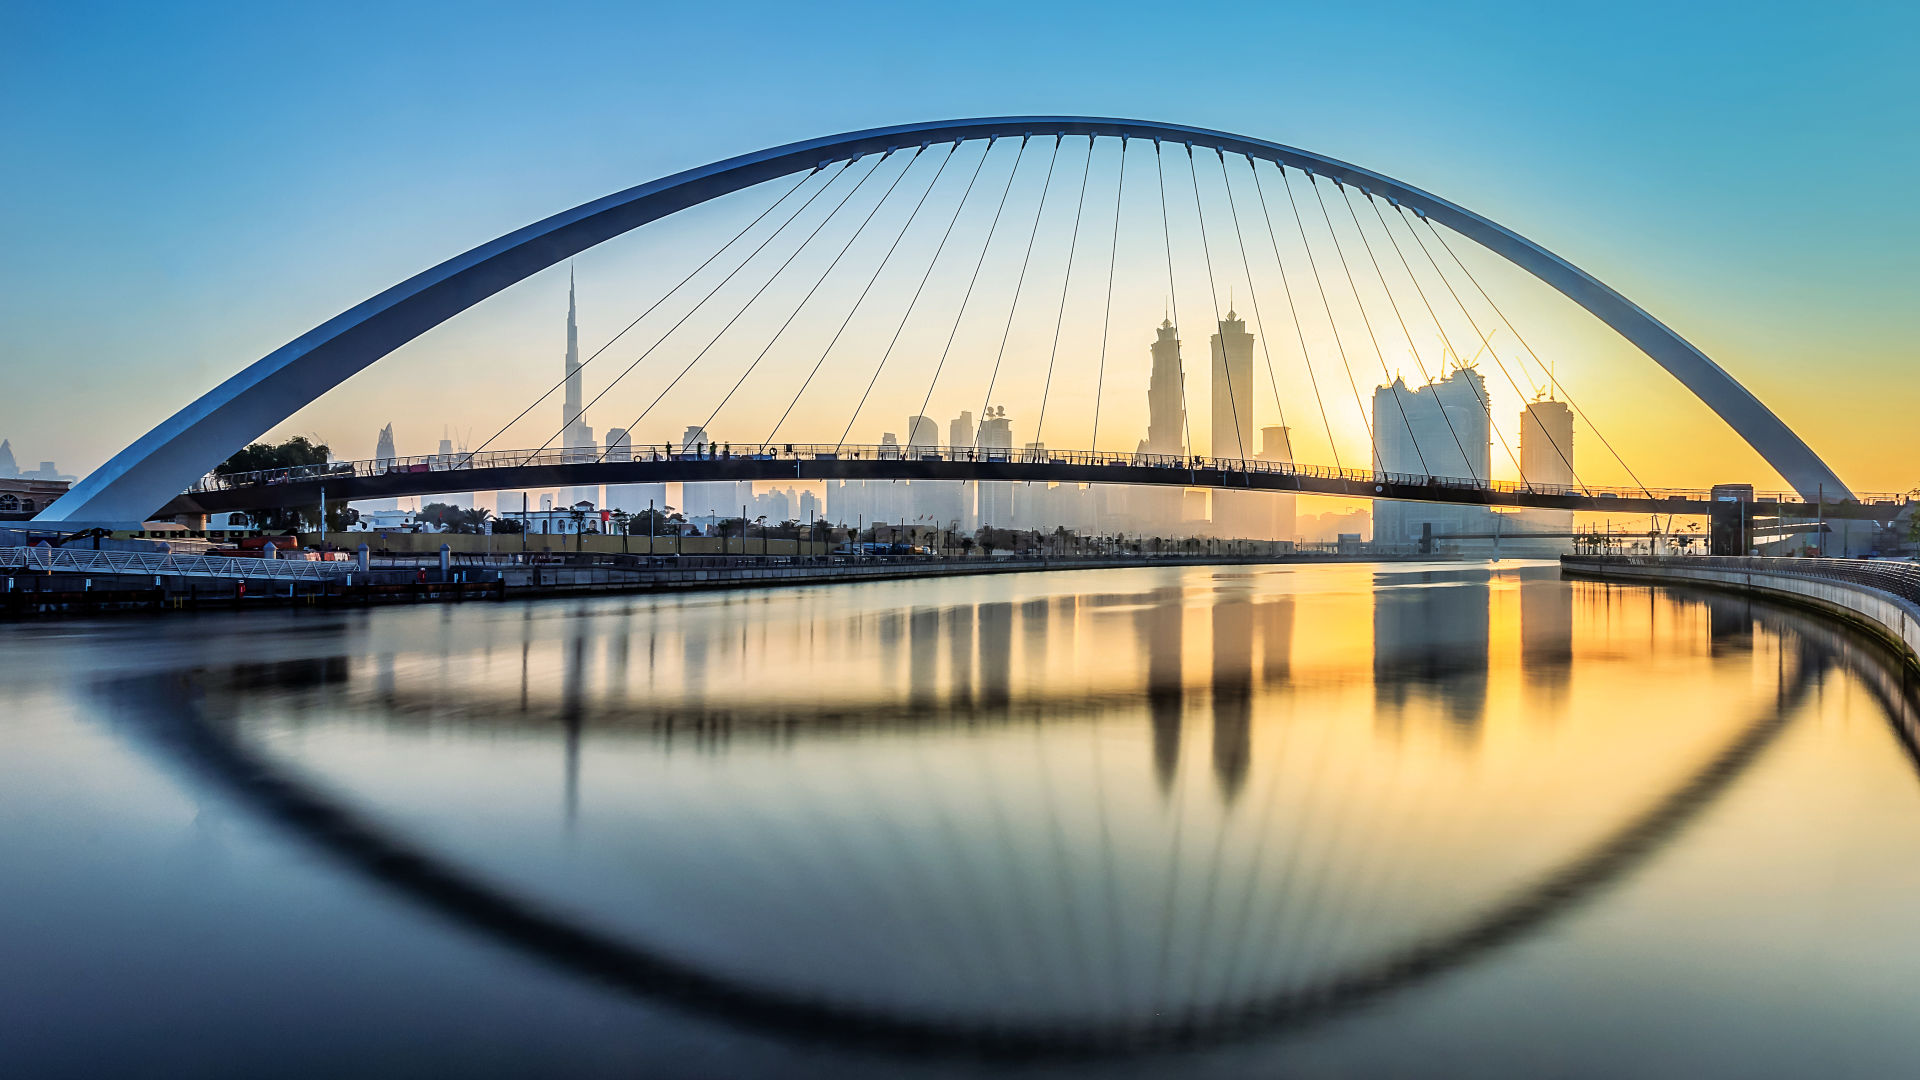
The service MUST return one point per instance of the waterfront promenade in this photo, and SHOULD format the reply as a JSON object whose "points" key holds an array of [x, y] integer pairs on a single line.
{"points": [[1882, 598]]}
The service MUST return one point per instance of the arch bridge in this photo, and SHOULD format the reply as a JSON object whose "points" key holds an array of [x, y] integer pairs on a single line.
{"points": [[168, 470]]}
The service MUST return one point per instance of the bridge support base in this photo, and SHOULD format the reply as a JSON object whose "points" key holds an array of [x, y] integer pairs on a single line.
{"points": [[1727, 524]]}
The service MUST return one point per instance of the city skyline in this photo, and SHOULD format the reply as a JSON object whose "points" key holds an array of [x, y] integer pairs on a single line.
{"points": [[1441, 427]]}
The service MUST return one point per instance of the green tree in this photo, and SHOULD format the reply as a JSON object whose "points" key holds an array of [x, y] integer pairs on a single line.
{"points": [[296, 452]]}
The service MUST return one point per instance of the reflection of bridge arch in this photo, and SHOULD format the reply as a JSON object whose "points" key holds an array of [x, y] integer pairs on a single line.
{"points": [[142, 477], [658, 976]]}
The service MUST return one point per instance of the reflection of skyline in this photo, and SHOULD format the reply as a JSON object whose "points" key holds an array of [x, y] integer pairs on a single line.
{"points": [[1159, 631], [1430, 642], [1232, 690], [1546, 637]]}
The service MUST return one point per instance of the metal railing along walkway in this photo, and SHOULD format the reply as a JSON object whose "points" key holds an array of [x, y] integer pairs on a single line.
{"points": [[87, 561], [1900, 579]]}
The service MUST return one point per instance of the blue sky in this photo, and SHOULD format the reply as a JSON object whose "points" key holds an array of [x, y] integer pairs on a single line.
{"points": [[186, 187]]}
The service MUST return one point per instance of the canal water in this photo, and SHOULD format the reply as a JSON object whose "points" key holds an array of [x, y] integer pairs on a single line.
{"points": [[1353, 819]]}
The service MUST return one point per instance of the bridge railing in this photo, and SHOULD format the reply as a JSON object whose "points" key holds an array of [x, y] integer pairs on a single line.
{"points": [[553, 456], [1900, 579]]}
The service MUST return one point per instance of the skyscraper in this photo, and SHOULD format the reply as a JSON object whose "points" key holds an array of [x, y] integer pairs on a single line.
{"points": [[8, 467], [1232, 389], [1546, 460], [1546, 444], [960, 431], [960, 507], [1155, 509], [1441, 429], [445, 458], [923, 435], [996, 442], [1276, 444], [575, 434], [632, 498], [576, 438], [1235, 513], [384, 457], [713, 498], [1166, 415]]}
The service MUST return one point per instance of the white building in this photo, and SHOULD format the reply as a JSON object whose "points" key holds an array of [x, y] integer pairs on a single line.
{"points": [[1442, 429]]}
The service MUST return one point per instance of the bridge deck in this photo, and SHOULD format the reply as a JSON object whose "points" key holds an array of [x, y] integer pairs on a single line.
{"points": [[520, 470]]}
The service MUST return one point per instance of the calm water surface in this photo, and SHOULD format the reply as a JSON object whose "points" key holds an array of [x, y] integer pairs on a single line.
{"points": [[1405, 819]]}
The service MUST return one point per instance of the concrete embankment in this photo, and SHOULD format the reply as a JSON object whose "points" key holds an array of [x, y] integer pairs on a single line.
{"points": [[1882, 598], [391, 579]]}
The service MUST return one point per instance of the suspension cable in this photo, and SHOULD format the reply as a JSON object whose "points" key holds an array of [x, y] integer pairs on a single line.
{"points": [[1434, 392], [824, 274], [750, 300], [648, 351], [1487, 346], [1173, 299], [1293, 312], [1446, 339], [1220, 330], [1252, 293], [972, 281], [1393, 385], [869, 287], [1524, 345], [1014, 304], [1321, 287], [1106, 318], [908, 313], [663, 299], [1066, 280]]}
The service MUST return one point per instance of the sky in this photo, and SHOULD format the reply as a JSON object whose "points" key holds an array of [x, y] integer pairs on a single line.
{"points": [[188, 187]]}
